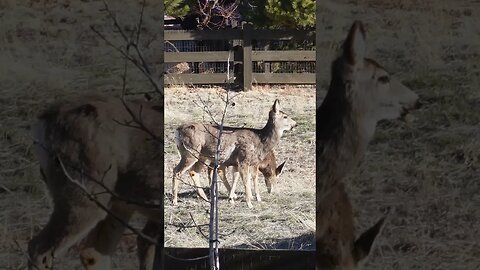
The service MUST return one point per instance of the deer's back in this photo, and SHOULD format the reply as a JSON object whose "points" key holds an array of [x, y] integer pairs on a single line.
{"points": [[96, 132], [203, 137]]}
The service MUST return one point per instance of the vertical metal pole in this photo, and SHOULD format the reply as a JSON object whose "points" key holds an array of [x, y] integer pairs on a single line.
{"points": [[213, 228]]}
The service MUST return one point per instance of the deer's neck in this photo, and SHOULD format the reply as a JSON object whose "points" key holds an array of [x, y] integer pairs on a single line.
{"points": [[270, 136], [343, 134]]}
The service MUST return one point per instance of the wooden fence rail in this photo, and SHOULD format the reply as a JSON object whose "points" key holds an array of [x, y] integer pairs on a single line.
{"points": [[241, 57], [240, 259]]}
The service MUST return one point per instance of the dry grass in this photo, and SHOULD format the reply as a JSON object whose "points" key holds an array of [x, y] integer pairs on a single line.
{"points": [[280, 217], [426, 173], [48, 51]]}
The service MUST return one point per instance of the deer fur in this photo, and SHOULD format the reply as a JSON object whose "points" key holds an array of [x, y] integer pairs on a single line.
{"points": [[242, 148], [268, 168], [90, 143], [361, 93]]}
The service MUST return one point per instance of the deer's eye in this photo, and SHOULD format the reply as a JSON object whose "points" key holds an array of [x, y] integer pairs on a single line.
{"points": [[285, 117], [384, 79]]}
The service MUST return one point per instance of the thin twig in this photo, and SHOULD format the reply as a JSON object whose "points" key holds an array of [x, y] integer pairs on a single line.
{"points": [[101, 206], [107, 189], [198, 227], [140, 22]]}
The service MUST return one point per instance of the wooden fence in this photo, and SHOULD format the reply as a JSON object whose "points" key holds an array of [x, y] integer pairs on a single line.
{"points": [[242, 56], [240, 259]]}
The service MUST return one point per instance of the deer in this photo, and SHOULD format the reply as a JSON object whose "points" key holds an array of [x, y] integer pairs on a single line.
{"points": [[268, 168], [241, 148], [361, 93], [101, 159]]}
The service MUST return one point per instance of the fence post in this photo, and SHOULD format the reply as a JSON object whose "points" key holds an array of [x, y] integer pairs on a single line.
{"points": [[247, 56]]}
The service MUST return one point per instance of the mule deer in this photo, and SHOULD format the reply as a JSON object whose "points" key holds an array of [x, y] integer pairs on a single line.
{"points": [[242, 148], [335, 243], [361, 93], [268, 167], [96, 145]]}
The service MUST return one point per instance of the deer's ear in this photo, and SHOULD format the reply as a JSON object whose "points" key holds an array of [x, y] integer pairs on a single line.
{"points": [[354, 45], [279, 169], [364, 243], [276, 106]]}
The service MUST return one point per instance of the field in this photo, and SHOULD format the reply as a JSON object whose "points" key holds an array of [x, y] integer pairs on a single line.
{"points": [[48, 51], [283, 219], [51, 53], [425, 174]]}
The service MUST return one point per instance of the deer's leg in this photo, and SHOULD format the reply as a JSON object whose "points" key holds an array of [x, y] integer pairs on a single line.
{"points": [[185, 164], [255, 183], [74, 215], [146, 249], [102, 240], [236, 175], [210, 175], [222, 173], [195, 175], [247, 182]]}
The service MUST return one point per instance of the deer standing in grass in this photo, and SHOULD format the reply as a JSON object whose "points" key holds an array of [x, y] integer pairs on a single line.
{"points": [[94, 145], [241, 148], [361, 93], [268, 168]]}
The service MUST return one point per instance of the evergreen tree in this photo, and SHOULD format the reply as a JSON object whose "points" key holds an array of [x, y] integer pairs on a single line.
{"points": [[176, 8], [280, 14]]}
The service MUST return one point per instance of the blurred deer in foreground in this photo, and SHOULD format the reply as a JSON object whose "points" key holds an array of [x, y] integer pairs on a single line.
{"points": [[361, 93], [94, 145], [242, 148]]}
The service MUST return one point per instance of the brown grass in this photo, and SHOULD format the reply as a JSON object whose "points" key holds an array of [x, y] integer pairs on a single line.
{"points": [[425, 173], [285, 215], [48, 52]]}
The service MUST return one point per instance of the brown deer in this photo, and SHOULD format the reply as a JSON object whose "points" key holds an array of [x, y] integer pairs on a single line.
{"points": [[270, 171], [336, 246], [242, 148], [268, 168], [93, 152], [361, 93]]}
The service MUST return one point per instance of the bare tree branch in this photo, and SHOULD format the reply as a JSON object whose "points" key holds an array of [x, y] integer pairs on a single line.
{"points": [[140, 63], [198, 228], [100, 205]]}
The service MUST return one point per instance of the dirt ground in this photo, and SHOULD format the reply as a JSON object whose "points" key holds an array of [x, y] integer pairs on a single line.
{"points": [[425, 173]]}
